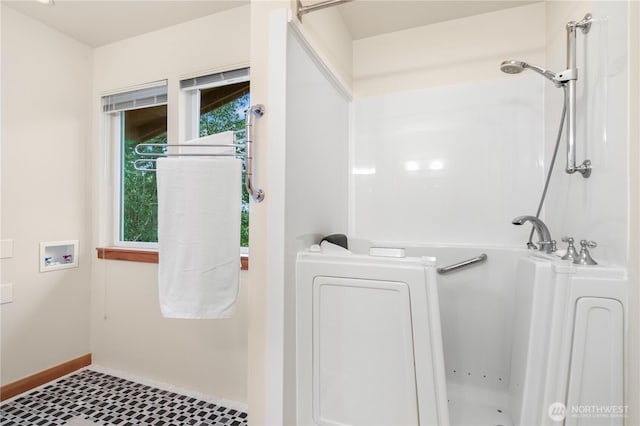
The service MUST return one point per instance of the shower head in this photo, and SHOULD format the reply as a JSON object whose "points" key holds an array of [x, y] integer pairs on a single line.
{"points": [[512, 67], [516, 67]]}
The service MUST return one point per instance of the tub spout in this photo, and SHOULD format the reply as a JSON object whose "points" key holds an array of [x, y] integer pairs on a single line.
{"points": [[546, 244]]}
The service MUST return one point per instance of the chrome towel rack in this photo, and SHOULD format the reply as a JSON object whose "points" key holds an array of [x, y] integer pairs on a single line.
{"points": [[463, 264], [148, 164]]}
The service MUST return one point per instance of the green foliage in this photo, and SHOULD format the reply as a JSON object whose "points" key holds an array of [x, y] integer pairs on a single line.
{"points": [[140, 199], [231, 116]]}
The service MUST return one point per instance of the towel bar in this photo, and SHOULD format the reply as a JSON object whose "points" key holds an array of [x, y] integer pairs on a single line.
{"points": [[256, 193]]}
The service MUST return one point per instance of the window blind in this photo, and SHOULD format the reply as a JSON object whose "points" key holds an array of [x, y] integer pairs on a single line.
{"points": [[135, 99], [217, 79]]}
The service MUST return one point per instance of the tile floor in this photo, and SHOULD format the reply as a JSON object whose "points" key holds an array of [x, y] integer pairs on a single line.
{"points": [[90, 397]]}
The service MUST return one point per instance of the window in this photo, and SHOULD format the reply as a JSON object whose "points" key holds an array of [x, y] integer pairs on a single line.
{"points": [[217, 103], [209, 104], [138, 116]]}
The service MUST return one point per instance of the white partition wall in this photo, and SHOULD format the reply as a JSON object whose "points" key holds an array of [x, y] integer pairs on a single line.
{"points": [[308, 168]]}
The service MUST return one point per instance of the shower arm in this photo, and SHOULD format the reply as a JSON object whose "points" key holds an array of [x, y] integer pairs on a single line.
{"points": [[585, 26]]}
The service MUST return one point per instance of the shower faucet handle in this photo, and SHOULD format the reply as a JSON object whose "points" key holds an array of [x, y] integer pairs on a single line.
{"points": [[571, 253], [585, 257]]}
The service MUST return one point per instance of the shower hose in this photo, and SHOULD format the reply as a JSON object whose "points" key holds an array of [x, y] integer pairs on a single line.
{"points": [[530, 244]]}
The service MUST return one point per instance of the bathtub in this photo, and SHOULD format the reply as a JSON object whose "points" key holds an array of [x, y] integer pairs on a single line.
{"points": [[522, 331]]}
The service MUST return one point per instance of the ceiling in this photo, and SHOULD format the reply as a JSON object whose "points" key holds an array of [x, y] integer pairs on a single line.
{"points": [[100, 22]]}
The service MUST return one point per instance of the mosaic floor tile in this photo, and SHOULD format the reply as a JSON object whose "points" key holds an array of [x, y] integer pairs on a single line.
{"points": [[90, 397]]}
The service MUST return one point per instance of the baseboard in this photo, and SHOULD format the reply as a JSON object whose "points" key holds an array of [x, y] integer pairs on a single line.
{"points": [[19, 386]]}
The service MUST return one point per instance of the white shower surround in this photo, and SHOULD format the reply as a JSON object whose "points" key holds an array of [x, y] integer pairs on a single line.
{"points": [[433, 119], [596, 208], [387, 202], [448, 165]]}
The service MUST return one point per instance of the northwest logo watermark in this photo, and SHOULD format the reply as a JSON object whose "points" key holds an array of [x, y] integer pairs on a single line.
{"points": [[558, 411]]}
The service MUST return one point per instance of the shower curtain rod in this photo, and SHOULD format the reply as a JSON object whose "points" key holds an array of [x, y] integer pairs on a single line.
{"points": [[303, 10]]}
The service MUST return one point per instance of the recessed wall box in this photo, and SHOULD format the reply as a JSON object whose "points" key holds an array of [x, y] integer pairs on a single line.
{"points": [[58, 255]]}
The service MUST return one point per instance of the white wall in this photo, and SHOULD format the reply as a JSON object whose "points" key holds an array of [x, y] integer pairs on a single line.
{"points": [[266, 307], [127, 330], [46, 87], [595, 208], [452, 164], [129, 334], [326, 31], [448, 53]]}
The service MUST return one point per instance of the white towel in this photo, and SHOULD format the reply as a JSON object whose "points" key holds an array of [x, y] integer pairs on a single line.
{"points": [[198, 236], [216, 138]]}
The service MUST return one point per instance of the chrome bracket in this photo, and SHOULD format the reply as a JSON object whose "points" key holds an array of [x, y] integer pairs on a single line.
{"points": [[584, 169], [585, 23], [566, 75]]}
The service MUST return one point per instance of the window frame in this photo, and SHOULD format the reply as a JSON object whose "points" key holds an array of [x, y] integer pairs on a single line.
{"points": [[190, 97], [190, 101], [115, 140]]}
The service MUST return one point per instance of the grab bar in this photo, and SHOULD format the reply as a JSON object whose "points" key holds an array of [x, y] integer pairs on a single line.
{"points": [[572, 167], [257, 194], [463, 264]]}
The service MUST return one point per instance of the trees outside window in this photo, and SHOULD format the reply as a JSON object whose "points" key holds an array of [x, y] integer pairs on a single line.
{"points": [[228, 113]]}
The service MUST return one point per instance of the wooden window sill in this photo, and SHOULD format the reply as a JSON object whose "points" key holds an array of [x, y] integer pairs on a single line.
{"points": [[146, 256]]}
